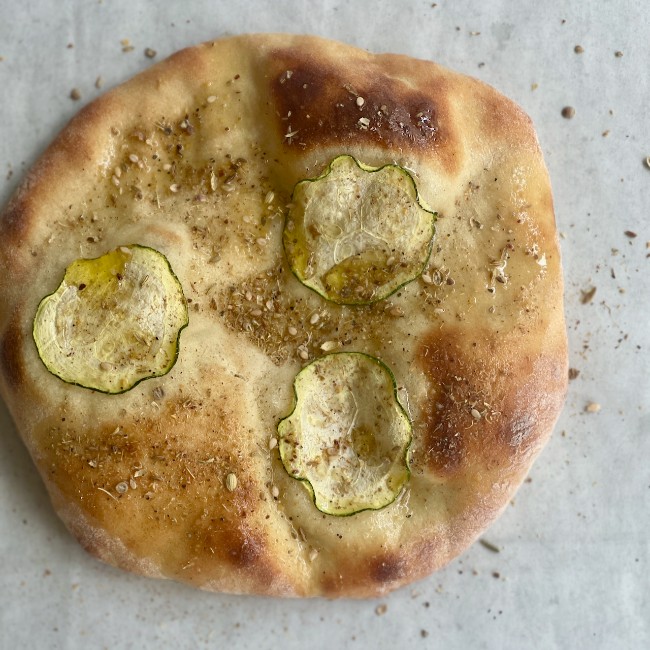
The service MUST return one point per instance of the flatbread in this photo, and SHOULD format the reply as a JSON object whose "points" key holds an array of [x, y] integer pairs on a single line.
{"points": [[197, 157]]}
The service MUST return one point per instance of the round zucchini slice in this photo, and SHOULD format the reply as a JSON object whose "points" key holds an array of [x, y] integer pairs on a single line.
{"points": [[348, 436], [356, 234], [113, 321]]}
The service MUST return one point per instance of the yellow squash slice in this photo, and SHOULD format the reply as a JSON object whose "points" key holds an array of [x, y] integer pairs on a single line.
{"points": [[114, 320], [348, 436], [356, 234]]}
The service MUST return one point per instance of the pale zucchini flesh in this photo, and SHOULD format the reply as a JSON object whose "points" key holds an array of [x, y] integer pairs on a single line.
{"points": [[357, 233], [113, 321], [348, 436]]}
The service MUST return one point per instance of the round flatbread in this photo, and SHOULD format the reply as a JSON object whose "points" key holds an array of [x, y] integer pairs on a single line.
{"points": [[178, 474]]}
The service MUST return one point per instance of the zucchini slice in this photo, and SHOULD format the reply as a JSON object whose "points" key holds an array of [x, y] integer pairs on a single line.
{"points": [[356, 234], [113, 321], [348, 436]]}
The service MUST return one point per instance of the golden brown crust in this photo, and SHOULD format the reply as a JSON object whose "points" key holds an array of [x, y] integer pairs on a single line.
{"points": [[197, 157]]}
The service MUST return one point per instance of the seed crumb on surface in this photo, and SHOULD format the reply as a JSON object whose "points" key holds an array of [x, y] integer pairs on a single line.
{"points": [[631, 234], [380, 610], [99, 82], [618, 54], [573, 373], [149, 53], [126, 45], [587, 295], [75, 94], [578, 49], [489, 546], [593, 407], [568, 112]]}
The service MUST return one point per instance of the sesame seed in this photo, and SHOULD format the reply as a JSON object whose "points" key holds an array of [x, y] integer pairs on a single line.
{"points": [[303, 354], [173, 187], [314, 318], [426, 278], [262, 241], [138, 473], [249, 295], [122, 487], [275, 492], [116, 180], [328, 346], [476, 414], [273, 443], [269, 197], [360, 101], [231, 482], [104, 365], [212, 99], [593, 407], [396, 311], [313, 554], [132, 484], [133, 158]]}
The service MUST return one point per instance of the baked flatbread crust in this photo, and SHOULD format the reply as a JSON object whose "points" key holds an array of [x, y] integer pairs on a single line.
{"points": [[197, 158]]}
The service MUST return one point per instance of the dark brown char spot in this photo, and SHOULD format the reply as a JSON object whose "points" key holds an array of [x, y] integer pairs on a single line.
{"points": [[10, 356], [317, 102], [14, 220], [386, 569], [445, 417]]}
